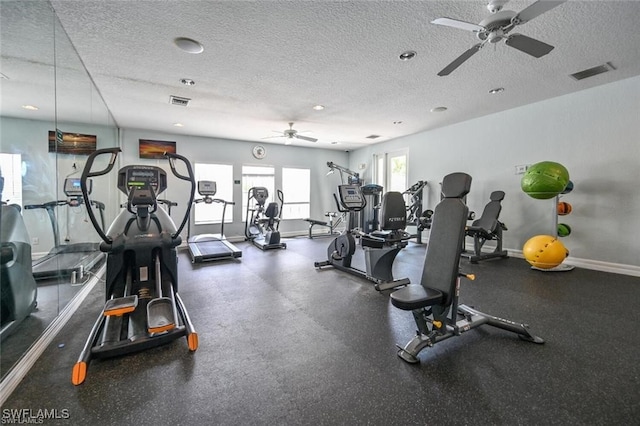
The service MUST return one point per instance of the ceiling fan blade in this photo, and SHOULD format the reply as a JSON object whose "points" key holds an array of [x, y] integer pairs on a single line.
{"points": [[460, 60], [306, 138], [271, 137], [455, 23], [534, 10], [528, 45]]}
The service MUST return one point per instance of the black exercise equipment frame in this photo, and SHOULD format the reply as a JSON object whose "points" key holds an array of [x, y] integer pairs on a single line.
{"points": [[434, 302], [130, 263], [267, 228], [487, 228], [210, 247], [380, 252]]}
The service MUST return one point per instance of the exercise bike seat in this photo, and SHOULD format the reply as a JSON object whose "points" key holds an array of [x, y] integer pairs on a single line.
{"points": [[393, 221]]}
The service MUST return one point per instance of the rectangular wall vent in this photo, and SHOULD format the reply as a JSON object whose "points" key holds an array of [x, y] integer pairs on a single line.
{"points": [[373, 136], [177, 100], [581, 75]]}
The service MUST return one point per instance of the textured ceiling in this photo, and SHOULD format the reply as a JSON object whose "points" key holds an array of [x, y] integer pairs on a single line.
{"points": [[266, 63]]}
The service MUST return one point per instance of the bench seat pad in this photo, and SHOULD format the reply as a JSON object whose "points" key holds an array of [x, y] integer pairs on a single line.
{"points": [[415, 296]]}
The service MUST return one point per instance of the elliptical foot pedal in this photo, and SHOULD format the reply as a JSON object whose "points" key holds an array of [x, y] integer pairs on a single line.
{"points": [[120, 305], [160, 315]]}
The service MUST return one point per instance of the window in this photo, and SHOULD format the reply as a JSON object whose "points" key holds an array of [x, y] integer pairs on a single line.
{"points": [[253, 176], [11, 171], [296, 184], [391, 170], [222, 175]]}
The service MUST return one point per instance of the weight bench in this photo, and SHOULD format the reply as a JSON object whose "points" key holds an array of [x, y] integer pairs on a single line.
{"points": [[330, 224], [487, 228], [434, 302]]}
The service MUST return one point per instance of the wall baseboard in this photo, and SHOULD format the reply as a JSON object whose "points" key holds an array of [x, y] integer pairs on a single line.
{"points": [[596, 265]]}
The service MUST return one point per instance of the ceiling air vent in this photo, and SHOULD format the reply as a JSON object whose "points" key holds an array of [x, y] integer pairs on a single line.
{"points": [[581, 75], [177, 100], [373, 136]]}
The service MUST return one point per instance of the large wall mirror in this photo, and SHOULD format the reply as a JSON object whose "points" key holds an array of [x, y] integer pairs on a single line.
{"points": [[51, 116]]}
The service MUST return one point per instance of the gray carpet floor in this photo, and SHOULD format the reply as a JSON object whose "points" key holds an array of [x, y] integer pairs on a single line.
{"points": [[283, 343]]}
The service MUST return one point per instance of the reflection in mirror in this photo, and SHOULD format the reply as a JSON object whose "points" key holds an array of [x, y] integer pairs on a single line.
{"points": [[41, 68]]}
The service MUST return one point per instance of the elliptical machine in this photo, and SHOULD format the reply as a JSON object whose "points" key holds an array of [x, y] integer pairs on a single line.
{"points": [[380, 247], [142, 308], [261, 226]]}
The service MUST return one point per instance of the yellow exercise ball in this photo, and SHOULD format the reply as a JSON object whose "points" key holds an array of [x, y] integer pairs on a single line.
{"points": [[544, 251]]}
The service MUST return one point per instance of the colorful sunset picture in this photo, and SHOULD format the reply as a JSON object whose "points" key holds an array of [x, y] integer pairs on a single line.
{"points": [[72, 143], [155, 149]]}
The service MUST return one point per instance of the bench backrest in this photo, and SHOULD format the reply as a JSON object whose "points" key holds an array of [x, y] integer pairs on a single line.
{"points": [[489, 219], [441, 264]]}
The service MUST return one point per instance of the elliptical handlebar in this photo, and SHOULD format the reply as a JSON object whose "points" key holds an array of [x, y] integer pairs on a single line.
{"points": [[87, 173], [190, 178]]}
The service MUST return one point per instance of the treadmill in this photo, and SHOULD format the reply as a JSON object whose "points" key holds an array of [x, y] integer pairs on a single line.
{"points": [[208, 247], [68, 260]]}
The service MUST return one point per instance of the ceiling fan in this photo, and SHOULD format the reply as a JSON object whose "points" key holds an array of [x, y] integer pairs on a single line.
{"points": [[291, 133], [496, 27]]}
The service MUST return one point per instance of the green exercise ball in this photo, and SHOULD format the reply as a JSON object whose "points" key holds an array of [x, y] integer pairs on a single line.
{"points": [[564, 230], [545, 180]]}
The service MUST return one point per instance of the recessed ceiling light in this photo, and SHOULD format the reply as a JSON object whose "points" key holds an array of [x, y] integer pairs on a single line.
{"points": [[496, 90], [409, 54], [30, 107], [178, 125], [189, 45], [318, 107], [187, 82], [439, 109]]}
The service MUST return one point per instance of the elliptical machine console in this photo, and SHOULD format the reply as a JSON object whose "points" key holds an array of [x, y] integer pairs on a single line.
{"points": [[142, 307]]}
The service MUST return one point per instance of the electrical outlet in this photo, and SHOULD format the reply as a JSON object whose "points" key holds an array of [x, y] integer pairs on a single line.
{"points": [[35, 241], [521, 169]]}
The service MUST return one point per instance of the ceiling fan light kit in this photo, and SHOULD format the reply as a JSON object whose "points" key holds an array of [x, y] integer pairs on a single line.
{"points": [[291, 134], [496, 27]]}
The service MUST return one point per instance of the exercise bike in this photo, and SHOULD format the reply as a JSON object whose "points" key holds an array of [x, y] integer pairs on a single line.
{"points": [[142, 308], [380, 247], [261, 226]]}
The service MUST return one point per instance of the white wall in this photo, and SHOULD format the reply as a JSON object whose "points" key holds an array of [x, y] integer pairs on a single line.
{"points": [[44, 178], [595, 133], [239, 153]]}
